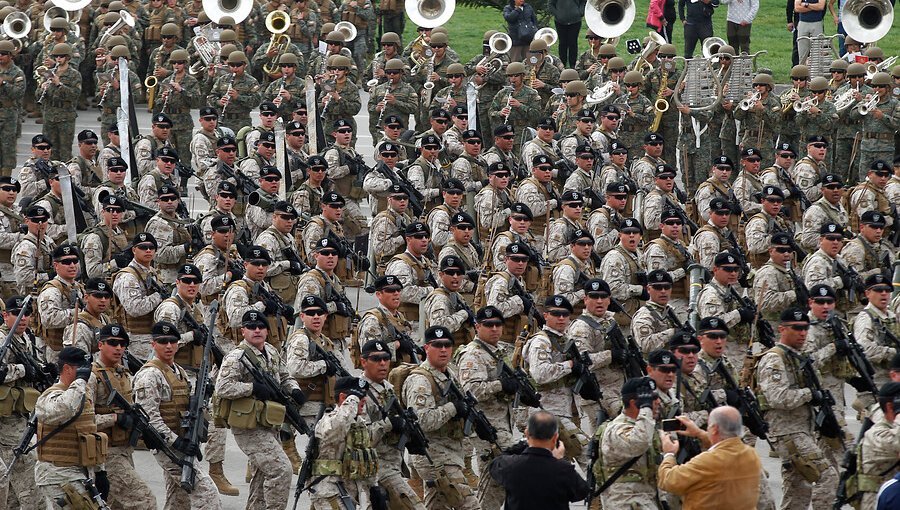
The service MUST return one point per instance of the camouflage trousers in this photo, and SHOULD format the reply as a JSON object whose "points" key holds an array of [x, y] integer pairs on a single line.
{"points": [[61, 134], [127, 489], [182, 141], [21, 480], [631, 496], [355, 221], [400, 494], [4, 486], [205, 495], [728, 147], [807, 475], [694, 165], [490, 494], [841, 162], [51, 494], [9, 123], [446, 488], [271, 469], [334, 502]]}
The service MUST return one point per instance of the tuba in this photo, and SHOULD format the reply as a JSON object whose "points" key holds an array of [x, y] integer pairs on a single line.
{"points": [[277, 23], [611, 18], [125, 18], [16, 27], [867, 20], [238, 10], [546, 34], [711, 46], [429, 13], [347, 29]]}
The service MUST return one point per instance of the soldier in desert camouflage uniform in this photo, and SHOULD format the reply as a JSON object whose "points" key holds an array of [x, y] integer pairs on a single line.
{"points": [[764, 224], [719, 299], [570, 273], [875, 326], [560, 230], [105, 246], [869, 252], [828, 209], [148, 148], [385, 320], [162, 175], [30, 256], [445, 306], [624, 271], [57, 298], [93, 316], [869, 195], [138, 291], [810, 169], [655, 322], [12, 224], [878, 448], [174, 242], [414, 269], [822, 267], [604, 221], [773, 287], [539, 194]]}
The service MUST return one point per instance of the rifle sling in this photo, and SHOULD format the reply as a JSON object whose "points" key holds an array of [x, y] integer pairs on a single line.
{"points": [[615, 476], [58, 428]]}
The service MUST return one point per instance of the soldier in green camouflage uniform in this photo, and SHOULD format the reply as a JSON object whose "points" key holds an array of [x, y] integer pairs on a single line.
{"points": [[490, 81], [243, 90], [789, 127], [60, 35], [594, 58], [177, 94], [390, 44], [287, 92], [696, 151], [304, 26], [637, 111], [819, 119], [546, 75], [60, 95], [668, 127], [848, 130], [109, 91], [393, 97], [362, 14], [344, 102], [442, 60], [879, 126], [517, 105], [454, 94], [758, 124], [159, 64], [12, 91]]}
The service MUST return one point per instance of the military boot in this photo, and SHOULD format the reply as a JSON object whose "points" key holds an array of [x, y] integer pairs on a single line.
{"points": [[222, 483], [290, 448]]}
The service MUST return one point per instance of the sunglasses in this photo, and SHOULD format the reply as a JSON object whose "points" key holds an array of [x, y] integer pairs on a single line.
{"points": [[113, 209], [833, 186], [388, 154], [297, 133], [271, 178], [5, 53], [662, 286], [166, 340], [715, 336], [464, 227], [730, 269], [393, 71], [834, 238], [597, 295], [783, 249], [67, 262], [473, 142], [673, 222], [329, 253], [617, 196], [612, 117], [800, 327], [115, 342], [455, 76], [787, 155], [228, 149], [818, 145], [438, 45], [881, 289], [145, 246], [267, 114], [544, 168], [508, 137], [798, 79], [42, 147], [823, 301], [345, 131], [629, 85], [775, 200], [572, 94], [559, 313], [880, 86], [584, 243], [441, 345], [654, 144], [501, 175], [254, 327], [378, 358], [7, 188], [518, 259], [268, 145], [232, 64], [688, 350], [492, 324], [440, 121], [168, 161], [189, 281], [288, 65], [168, 198], [453, 272], [420, 236], [318, 312], [520, 217], [585, 156], [666, 370]]}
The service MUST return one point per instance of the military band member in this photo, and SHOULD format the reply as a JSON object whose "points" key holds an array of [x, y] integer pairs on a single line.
{"points": [[11, 98], [870, 195], [876, 327], [390, 45], [759, 123], [163, 389], [12, 230], [441, 417], [637, 114], [560, 230], [31, 255], [60, 92], [565, 109], [388, 227], [269, 464], [393, 97], [828, 209], [440, 218], [715, 236], [848, 132], [810, 169], [93, 316], [719, 298], [287, 92], [787, 405], [18, 379], [83, 167], [179, 93], [820, 117], [718, 185], [774, 287], [57, 298], [623, 270], [880, 124], [219, 261], [67, 407], [518, 105], [237, 93], [126, 488]]}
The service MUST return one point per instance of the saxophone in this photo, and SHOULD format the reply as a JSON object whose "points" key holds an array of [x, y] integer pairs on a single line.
{"points": [[150, 81], [660, 105], [532, 74]]}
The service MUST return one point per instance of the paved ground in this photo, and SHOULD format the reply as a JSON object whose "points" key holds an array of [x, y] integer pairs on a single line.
{"points": [[235, 464]]}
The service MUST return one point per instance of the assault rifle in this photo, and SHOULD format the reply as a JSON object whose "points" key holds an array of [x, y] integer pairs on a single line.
{"points": [[202, 330], [593, 455], [274, 302], [312, 452], [800, 290], [794, 190], [765, 333], [738, 253], [45, 374], [24, 442], [679, 211], [586, 386], [894, 237], [848, 347], [526, 393], [475, 418], [246, 185], [408, 346], [291, 408], [850, 463], [634, 365], [359, 260], [825, 420], [291, 255], [141, 211], [853, 283], [155, 286], [360, 170], [194, 422], [530, 309], [412, 438], [330, 360], [141, 427], [748, 403], [198, 241], [416, 198], [888, 335], [7, 342]]}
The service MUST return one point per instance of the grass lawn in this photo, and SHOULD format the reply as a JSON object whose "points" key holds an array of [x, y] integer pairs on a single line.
{"points": [[769, 33]]}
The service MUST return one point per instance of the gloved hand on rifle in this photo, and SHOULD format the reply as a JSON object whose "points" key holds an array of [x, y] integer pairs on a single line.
{"points": [[200, 335], [298, 396], [619, 356], [295, 268], [363, 264], [645, 294], [31, 374], [50, 369], [237, 271], [841, 346], [271, 306], [341, 308], [189, 449], [846, 281], [84, 371], [577, 367], [123, 258], [101, 482], [818, 398], [732, 398], [262, 392], [509, 385], [124, 420], [527, 303], [462, 409], [473, 275], [288, 312], [330, 369], [397, 423], [747, 314]]}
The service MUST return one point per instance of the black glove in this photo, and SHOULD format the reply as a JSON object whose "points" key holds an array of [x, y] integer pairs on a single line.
{"points": [[271, 306], [462, 409], [846, 281], [30, 373], [4, 369], [289, 312], [23, 229], [645, 295], [330, 369], [341, 309], [83, 372], [183, 445], [732, 398], [262, 392], [818, 398], [577, 367], [123, 258], [188, 246], [363, 264], [200, 335], [619, 356], [50, 369], [397, 423], [645, 398], [125, 421], [842, 347], [101, 482], [298, 396], [641, 278], [527, 302], [747, 314], [471, 320], [295, 269], [237, 272], [473, 274], [510, 385]]}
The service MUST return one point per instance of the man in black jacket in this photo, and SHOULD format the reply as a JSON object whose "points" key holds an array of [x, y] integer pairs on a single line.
{"points": [[696, 16], [537, 477]]}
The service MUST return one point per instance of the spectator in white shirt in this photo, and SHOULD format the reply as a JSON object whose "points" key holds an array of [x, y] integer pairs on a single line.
{"points": [[741, 14]]}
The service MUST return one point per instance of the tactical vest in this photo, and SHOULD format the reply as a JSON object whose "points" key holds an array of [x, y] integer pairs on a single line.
{"points": [[344, 185], [453, 429], [724, 243], [190, 355], [180, 235], [411, 310], [445, 208], [221, 268], [248, 413], [15, 221], [556, 355], [581, 275], [502, 198], [142, 324], [513, 324], [639, 472], [277, 325], [539, 223], [336, 326], [171, 410], [390, 326], [114, 378], [679, 291], [775, 224], [882, 205], [630, 305], [53, 337], [318, 388], [17, 397], [76, 444], [466, 332], [358, 21], [358, 461]]}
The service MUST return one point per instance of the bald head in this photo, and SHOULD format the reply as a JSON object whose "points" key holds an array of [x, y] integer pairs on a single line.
{"points": [[728, 422]]}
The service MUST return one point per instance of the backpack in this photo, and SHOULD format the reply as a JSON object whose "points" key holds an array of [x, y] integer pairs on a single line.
{"points": [[398, 375]]}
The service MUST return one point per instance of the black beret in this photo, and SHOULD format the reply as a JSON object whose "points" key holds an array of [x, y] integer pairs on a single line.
{"points": [[268, 106], [822, 291], [40, 140], [772, 191], [333, 198], [617, 188], [817, 139], [780, 239], [637, 385], [387, 281], [144, 237], [373, 347], [167, 191], [87, 135], [831, 228], [416, 228], [436, 333], [597, 285], [520, 208], [225, 141], [9, 180], [461, 218], [663, 169], [724, 258], [541, 159], [749, 152], [190, 270], [312, 302], [498, 166], [719, 204], [167, 152], [254, 318], [488, 313], [617, 147], [572, 196], [14, 304], [162, 119], [661, 357], [653, 137], [878, 280], [454, 185], [454, 262], [712, 324], [873, 218], [832, 179], [97, 286], [209, 111], [430, 141], [113, 330], [164, 329], [36, 212], [579, 234], [723, 160], [890, 389], [345, 384], [342, 123], [74, 356], [316, 161], [794, 314], [326, 243], [65, 250], [518, 248], [268, 170], [285, 208], [658, 276], [558, 301], [256, 252], [222, 222], [503, 129], [682, 338], [631, 225]]}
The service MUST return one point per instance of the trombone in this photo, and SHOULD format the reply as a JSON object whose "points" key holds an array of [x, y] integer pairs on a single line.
{"points": [[277, 23], [499, 44]]}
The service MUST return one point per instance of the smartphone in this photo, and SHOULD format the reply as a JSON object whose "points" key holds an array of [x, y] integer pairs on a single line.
{"points": [[672, 425]]}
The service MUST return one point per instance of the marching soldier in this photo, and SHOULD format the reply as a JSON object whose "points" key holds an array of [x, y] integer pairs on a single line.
{"points": [[222, 205], [759, 122], [869, 252], [828, 209], [579, 140], [115, 185], [262, 154], [32, 175], [83, 332], [560, 230], [655, 322], [849, 130], [440, 218], [30, 257], [714, 237], [103, 246], [643, 170], [59, 94], [390, 49], [385, 322], [414, 269], [570, 273], [623, 270], [149, 147], [343, 101], [637, 114], [109, 93], [174, 242], [492, 203], [126, 487], [764, 224], [425, 173], [664, 195], [162, 388], [83, 167], [279, 240], [288, 91], [237, 93], [17, 378], [461, 246], [822, 116], [876, 327], [11, 97], [12, 230], [810, 169], [219, 261], [827, 266], [878, 448], [259, 440], [582, 178], [268, 112], [138, 292], [110, 150], [721, 298], [718, 185], [226, 155], [161, 176], [520, 219], [252, 293], [777, 285], [322, 282], [259, 213], [389, 226], [870, 195], [518, 106], [788, 409], [780, 174], [345, 172], [668, 253], [57, 299], [507, 291], [446, 307], [544, 144], [52, 201], [67, 409], [307, 197], [747, 184], [604, 221], [503, 151]]}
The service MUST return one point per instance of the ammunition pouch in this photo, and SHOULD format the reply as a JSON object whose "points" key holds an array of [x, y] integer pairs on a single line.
{"points": [[76, 500], [285, 285], [249, 413], [453, 493], [92, 448], [807, 465], [17, 400]]}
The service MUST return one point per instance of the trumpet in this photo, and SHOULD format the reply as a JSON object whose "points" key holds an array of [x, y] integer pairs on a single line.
{"points": [[277, 23], [804, 105], [750, 101], [868, 106], [873, 68], [227, 97]]}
